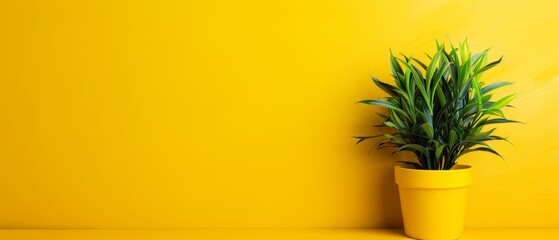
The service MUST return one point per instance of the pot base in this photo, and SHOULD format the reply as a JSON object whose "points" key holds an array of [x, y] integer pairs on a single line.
{"points": [[433, 201]]}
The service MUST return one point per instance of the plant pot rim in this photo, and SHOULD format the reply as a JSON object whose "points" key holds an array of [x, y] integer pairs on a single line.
{"points": [[456, 168], [408, 177]]}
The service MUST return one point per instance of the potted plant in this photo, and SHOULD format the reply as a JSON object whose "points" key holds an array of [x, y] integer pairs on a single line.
{"points": [[439, 111]]}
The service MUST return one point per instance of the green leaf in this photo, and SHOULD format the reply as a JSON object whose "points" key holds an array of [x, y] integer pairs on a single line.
{"points": [[438, 76], [496, 121], [428, 130], [465, 51], [477, 90], [485, 149], [419, 82], [477, 135], [428, 56], [468, 144], [452, 138], [487, 67], [403, 95], [485, 98], [382, 115], [491, 138], [397, 120], [479, 60], [390, 124], [494, 86], [465, 73], [383, 103], [432, 66], [407, 81], [502, 102], [439, 150], [415, 147], [494, 112], [385, 87], [395, 139], [396, 69], [363, 138], [455, 57], [420, 63]]}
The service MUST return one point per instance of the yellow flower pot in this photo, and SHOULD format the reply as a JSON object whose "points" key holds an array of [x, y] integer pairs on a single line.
{"points": [[433, 201]]}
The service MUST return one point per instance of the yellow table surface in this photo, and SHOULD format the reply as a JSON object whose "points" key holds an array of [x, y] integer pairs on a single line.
{"points": [[248, 234]]}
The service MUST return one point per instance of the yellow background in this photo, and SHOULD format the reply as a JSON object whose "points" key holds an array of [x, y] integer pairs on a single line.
{"points": [[240, 113]]}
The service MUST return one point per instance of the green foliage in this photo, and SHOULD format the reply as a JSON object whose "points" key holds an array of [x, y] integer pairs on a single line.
{"points": [[439, 110]]}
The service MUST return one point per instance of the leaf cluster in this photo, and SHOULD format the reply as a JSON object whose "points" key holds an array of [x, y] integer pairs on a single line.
{"points": [[439, 110]]}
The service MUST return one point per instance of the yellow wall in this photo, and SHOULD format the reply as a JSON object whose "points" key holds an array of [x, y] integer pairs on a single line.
{"points": [[240, 113]]}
